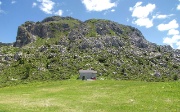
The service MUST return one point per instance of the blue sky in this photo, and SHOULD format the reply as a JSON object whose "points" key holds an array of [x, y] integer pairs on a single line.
{"points": [[158, 20]]}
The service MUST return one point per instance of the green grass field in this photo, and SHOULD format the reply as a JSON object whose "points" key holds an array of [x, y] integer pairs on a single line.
{"points": [[91, 96]]}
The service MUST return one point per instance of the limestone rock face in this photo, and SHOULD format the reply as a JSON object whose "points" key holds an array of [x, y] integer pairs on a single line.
{"points": [[57, 47], [48, 28], [23, 37], [102, 33]]}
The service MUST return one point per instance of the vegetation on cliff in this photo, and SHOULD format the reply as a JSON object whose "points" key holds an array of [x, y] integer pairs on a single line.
{"points": [[57, 47]]}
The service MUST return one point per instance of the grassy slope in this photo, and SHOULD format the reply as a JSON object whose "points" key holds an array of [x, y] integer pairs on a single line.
{"points": [[87, 96]]}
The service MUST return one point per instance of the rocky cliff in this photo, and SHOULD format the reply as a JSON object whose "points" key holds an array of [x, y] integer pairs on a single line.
{"points": [[29, 31], [91, 34], [57, 47]]}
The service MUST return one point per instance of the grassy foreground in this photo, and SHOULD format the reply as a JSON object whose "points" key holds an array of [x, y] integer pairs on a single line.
{"points": [[91, 96]]}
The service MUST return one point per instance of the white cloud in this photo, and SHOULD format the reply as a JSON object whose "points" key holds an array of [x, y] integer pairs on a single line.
{"points": [[59, 13], [178, 7], [168, 40], [178, 45], [171, 25], [13, 2], [113, 10], [34, 4], [141, 13], [163, 16], [46, 6], [137, 5], [173, 32], [1, 11], [98, 5], [175, 40], [108, 11], [144, 22]]}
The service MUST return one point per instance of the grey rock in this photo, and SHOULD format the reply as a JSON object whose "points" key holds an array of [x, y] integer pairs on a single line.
{"points": [[18, 55], [28, 32], [157, 74], [23, 37], [6, 58]]}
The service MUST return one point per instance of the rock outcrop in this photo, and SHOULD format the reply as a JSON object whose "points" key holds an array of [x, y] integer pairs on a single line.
{"points": [[57, 47], [29, 31]]}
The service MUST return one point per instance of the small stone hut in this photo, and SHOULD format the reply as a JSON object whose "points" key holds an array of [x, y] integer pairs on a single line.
{"points": [[87, 74]]}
